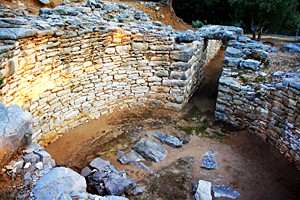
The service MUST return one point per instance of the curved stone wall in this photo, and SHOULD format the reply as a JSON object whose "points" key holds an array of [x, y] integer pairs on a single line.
{"points": [[266, 103], [67, 75]]}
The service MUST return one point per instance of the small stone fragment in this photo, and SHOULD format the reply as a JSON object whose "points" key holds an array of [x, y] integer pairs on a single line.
{"points": [[203, 191], [208, 161], [27, 165], [45, 2], [136, 191], [39, 165], [224, 191], [34, 158], [123, 158], [86, 171]]}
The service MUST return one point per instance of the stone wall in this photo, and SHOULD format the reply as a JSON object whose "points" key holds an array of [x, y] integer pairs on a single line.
{"points": [[267, 104], [68, 74], [213, 46]]}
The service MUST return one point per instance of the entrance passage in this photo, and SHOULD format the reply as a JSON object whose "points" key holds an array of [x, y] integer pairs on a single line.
{"points": [[205, 97]]}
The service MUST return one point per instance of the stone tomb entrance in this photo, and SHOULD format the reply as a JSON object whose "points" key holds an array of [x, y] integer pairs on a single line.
{"points": [[204, 99]]}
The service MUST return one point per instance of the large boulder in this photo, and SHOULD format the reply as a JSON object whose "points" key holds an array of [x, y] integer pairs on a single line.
{"points": [[58, 181], [15, 130]]}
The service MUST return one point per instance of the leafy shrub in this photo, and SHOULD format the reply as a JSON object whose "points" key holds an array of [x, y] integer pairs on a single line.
{"points": [[197, 24]]}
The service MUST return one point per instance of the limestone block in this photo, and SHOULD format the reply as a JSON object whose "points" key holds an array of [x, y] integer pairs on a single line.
{"points": [[137, 46], [140, 81], [140, 89], [154, 79], [160, 89], [120, 76], [123, 49], [110, 50]]}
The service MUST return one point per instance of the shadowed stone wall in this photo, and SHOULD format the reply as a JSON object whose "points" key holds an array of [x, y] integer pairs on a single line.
{"points": [[266, 103]]}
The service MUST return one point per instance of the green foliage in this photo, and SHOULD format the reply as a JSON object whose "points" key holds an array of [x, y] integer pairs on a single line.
{"points": [[212, 11], [274, 15], [197, 24]]}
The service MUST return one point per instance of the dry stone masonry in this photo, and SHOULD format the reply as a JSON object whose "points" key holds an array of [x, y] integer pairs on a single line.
{"points": [[268, 104], [77, 62]]}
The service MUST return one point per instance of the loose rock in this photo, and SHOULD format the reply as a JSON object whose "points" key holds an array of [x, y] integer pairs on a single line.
{"points": [[224, 191], [208, 161], [58, 181], [150, 150], [203, 191], [168, 139]]}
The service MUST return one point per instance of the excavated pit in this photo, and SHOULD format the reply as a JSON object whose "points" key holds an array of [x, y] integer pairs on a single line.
{"points": [[247, 164]]}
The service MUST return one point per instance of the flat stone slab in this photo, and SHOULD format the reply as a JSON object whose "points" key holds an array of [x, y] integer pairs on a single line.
{"points": [[168, 139], [250, 64], [224, 191], [203, 191], [16, 33], [208, 161], [233, 52], [133, 158], [103, 165], [150, 150], [220, 32]]}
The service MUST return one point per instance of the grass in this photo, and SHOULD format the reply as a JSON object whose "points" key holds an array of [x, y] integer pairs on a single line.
{"points": [[190, 130], [259, 79], [197, 124]]}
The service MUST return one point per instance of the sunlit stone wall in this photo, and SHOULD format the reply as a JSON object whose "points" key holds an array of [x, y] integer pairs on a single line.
{"points": [[65, 81]]}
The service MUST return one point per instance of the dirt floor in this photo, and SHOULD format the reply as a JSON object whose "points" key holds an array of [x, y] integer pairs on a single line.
{"points": [[246, 163]]}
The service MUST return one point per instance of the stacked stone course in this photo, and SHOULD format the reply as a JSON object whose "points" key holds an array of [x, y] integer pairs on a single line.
{"points": [[267, 104], [66, 74]]}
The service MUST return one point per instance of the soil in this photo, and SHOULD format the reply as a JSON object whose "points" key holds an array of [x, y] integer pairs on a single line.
{"points": [[246, 163], [164, 14]]}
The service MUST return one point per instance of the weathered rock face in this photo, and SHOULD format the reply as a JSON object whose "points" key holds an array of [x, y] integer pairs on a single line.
{"points": [[15, 130], [58, 181], [73, 64]]}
